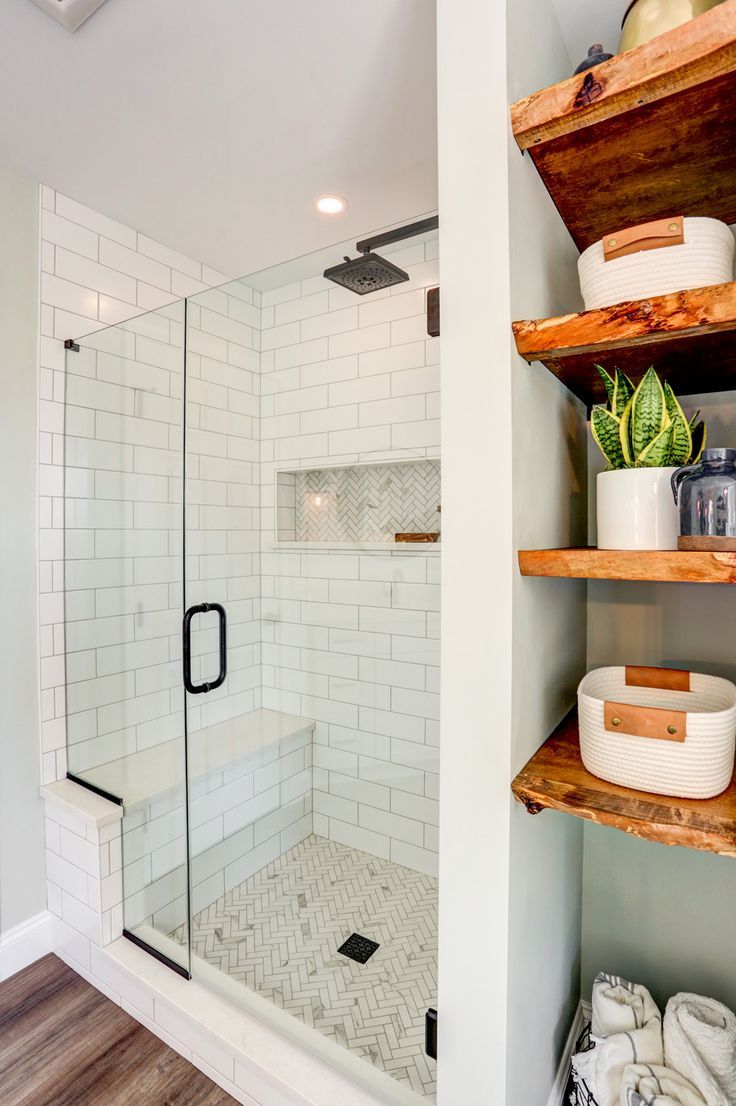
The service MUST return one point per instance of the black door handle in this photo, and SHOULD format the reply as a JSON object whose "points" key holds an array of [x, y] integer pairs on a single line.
{"points": [[430, 1033], [203, 608]]}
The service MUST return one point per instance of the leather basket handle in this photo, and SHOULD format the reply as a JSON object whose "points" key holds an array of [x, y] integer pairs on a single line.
{"points": [[667, 679], [645, 236], [657, 723]]}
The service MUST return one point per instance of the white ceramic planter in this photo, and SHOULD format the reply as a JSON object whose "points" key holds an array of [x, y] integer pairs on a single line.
{"points": [[636, 509]]}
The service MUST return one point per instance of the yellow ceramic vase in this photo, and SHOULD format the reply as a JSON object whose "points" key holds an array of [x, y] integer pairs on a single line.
{"points": [[646, 19]]}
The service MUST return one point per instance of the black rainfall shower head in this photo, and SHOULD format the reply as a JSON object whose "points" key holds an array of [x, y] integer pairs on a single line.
{"points": [[367, 273]]}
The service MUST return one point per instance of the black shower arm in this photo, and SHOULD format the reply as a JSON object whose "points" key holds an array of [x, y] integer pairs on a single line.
{"points": [[411, 230]]}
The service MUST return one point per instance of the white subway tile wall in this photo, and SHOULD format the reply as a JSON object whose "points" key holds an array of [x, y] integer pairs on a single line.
{"points": [[222, 530], [351, 639], [122, 482], [123, 527], [123, 565], [301, 377], [84, 875]]}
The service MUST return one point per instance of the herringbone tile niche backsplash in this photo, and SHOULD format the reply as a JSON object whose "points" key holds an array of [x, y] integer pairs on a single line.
{"points": [[363, 503]]}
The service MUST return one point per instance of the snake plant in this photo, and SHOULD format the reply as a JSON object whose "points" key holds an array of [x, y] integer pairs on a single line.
{"points": [[644, 426]]}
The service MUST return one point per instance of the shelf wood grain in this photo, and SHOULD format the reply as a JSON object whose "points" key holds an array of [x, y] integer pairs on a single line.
{"points": [[556, 779], [630, 564], [646, 135], [689, 336]]}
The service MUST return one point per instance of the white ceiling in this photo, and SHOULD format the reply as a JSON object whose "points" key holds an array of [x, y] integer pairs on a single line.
{"points": [[212, 125]]}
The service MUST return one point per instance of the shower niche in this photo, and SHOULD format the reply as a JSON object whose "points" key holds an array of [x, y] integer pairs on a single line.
{"points": [[360, 504]]}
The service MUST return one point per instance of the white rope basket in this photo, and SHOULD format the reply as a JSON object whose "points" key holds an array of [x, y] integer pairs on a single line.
{"points": [[642, 728], [705, 257]]}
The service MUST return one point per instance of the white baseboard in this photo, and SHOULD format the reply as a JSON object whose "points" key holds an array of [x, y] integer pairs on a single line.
{"points": [[557, 1095], [24, 943]]}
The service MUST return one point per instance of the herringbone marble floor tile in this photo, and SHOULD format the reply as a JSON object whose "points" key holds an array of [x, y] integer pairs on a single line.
{"points": [[278, 933]]}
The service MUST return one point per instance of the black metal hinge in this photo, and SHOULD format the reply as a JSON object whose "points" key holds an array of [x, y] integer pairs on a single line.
{"points": [[72, 345], [430, 1033]]}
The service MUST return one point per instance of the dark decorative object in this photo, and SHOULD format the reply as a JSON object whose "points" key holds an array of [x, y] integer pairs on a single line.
{"points": [[706, 496], [596, 55], [357, 948], [433, 312]]}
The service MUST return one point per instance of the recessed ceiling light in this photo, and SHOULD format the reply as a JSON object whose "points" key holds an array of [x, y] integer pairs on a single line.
{"points": [[331, 205]]}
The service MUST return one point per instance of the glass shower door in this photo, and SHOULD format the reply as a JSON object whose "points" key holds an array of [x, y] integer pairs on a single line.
{"points": [[123, 609], [222, 622]]}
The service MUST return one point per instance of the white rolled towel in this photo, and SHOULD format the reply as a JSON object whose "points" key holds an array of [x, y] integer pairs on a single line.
{"points": [[651, 1085], [627, 1029], [700, 1043]]}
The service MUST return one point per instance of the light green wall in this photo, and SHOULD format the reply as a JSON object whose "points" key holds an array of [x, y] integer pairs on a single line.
{"points": [[22, 878], [663, 916]]}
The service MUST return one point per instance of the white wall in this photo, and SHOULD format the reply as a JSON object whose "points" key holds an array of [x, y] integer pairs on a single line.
{"points": [[22, 890], [477, 554], [512, 649]]}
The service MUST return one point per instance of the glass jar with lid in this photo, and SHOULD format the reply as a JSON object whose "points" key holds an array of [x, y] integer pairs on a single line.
{"points": [[705, 494]]}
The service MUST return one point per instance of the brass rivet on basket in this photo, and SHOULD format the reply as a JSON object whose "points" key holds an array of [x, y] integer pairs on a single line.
{"points": [[611, 241], [673, 226], [672, 729], [616, 721]]}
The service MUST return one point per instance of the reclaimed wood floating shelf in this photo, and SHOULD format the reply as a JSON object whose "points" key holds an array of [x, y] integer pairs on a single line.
{"points": [[556, 779], [630, 564], [646, 135], [690, 336]]}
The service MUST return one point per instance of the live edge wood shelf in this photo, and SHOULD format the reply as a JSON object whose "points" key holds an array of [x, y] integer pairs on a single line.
{"points": [[690, 337], [649, 134], [555, 778], [628, 564]]}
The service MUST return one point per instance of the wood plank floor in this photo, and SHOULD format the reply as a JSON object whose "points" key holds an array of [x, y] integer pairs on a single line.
{"points": [[62, 1043]]}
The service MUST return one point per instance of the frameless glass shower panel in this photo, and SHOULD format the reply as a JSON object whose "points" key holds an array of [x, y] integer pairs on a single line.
{"points": [[123, 604]]}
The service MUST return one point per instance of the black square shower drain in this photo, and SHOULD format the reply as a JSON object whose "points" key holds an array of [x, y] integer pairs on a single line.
{"points": [[358, 948]]}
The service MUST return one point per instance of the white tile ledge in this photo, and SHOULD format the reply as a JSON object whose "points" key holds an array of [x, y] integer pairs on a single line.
{"points": [[80, 801], [400, 547]]}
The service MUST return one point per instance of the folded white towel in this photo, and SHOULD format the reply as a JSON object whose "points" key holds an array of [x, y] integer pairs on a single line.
{"points": [[627, 1029], [651, 1085], [700, 1043]]}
